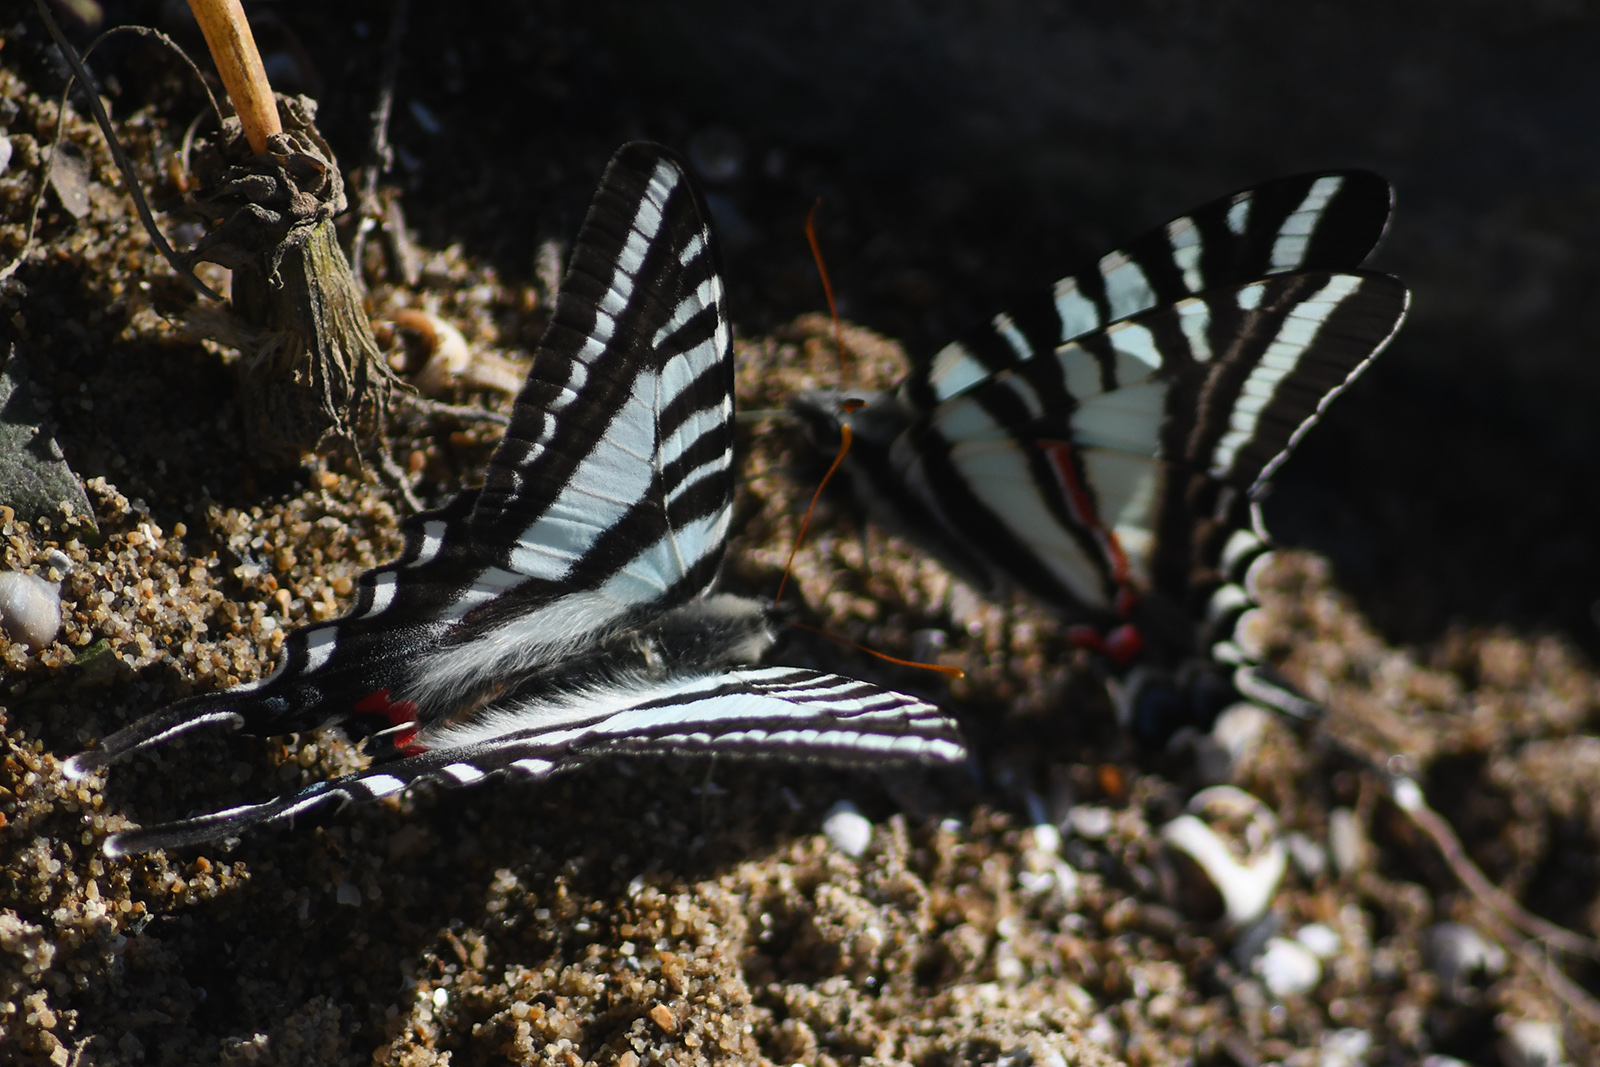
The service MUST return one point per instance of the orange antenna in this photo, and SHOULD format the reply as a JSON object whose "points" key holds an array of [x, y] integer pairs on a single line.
{"points": [[827, 286], [844, 449], [947, 671]]}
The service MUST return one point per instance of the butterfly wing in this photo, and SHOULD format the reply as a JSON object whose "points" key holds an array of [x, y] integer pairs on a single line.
{"points": [[607, 500], [782, 712], [1329, 221], [1126, 456]]}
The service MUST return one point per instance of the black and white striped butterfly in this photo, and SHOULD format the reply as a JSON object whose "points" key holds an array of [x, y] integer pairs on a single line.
{"points": [[562, 611], [1101, 445]]}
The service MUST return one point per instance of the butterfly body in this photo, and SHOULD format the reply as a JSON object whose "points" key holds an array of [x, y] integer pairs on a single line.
{"points": [[1101, 446], [565, 610]]}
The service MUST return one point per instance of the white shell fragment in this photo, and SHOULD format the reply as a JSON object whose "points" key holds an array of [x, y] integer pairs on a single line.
{"points": [[847, 829], [30, 609], [1531, 1044], [1233, 838], [1287, 968]]}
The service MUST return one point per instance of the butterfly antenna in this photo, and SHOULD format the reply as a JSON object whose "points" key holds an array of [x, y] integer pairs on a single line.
{"points": [[944, 669], [805, 523], [827, 286]]}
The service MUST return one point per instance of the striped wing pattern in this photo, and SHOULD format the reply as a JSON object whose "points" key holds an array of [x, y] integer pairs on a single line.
{"points": [[1303, 222], [775, 712], [1121, 457], [565, 603]]}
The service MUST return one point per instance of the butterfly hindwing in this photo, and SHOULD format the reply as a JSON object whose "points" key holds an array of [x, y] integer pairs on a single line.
{"points": [[779, 712]]}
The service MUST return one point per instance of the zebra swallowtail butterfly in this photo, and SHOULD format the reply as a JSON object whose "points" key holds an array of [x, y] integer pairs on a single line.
{"points": [[563, 611], [1102, 445]]}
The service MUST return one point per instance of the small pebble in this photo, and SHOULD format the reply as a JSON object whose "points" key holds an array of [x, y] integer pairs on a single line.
{"points": [[1437, 1060], [1344, 1048], [1461, 957], [662, 1016], [348, 895], [5, 152], [1238, 730], [30, 609], [1347, 841], [1287, 969], [1528, 1043], [1046, 838], [1308, 857], [1321, 941], [1091, 821], [847, 829]]}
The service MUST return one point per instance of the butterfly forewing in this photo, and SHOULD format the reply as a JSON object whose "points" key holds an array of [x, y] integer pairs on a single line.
{"points": [[621, 443], [1304, 222]]}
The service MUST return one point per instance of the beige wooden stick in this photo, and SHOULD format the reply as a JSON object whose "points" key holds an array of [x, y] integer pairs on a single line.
{"points": [[233, 49]]}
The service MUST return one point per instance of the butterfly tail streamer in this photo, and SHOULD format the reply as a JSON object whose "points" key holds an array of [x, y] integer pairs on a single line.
{"points": [[184, 717]]}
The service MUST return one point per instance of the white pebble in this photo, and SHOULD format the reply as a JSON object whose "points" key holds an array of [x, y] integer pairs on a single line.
{"points": [[5, 152], [1287, 969], [1046, 838], [30, 609], [1238, 730], [1437, 1060], [1344, 1048], [1347, 841], [847, 829], [1321, 941], [1460, 956], [1531, 1044], [348, 895], [1091, 821]]}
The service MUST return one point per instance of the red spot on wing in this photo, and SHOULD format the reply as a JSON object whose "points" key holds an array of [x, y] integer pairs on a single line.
{"points": [[398, 712]]}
